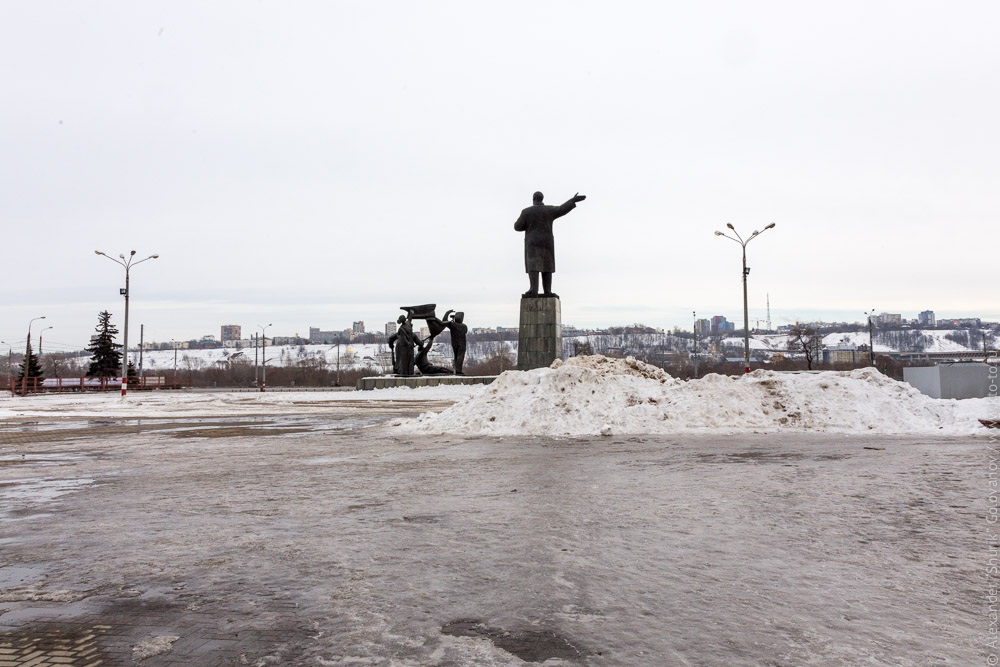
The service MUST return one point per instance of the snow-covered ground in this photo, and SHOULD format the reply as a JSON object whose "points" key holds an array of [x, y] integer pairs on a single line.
{"points": [[211, 404], [597, 395], [585, 396], [350, 355]]}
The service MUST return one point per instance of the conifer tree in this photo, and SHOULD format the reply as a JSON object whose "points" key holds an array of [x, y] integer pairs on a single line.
{"points": [[106, 359], [133, 374], [34, 367]]}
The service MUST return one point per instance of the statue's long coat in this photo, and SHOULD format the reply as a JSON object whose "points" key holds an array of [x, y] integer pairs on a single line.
{"points": [[401, 344], [539, 244]]}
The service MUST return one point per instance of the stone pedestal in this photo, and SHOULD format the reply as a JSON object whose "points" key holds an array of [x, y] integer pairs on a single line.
{"points": [[539, 340]]}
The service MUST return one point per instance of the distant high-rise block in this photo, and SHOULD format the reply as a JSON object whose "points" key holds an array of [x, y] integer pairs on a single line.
{"points": [[231, 332]]}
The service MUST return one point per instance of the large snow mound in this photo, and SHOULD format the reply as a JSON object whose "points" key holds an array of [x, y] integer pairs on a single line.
{"points": [[596, 395]]}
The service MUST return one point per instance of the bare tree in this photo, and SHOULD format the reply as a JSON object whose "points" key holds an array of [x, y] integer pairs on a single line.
{"points": [[806, 340]]}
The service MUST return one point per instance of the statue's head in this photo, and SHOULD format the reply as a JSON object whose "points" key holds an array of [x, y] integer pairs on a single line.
{"points": [[537, 197], [402, 318], [459, 317]]}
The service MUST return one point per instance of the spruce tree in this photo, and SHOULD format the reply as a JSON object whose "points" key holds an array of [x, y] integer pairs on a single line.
{"points": [[133, 375], [106, 360], [34, 367]]}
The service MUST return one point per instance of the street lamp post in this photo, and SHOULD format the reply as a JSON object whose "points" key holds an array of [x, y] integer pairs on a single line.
{"points": [[27, 357], [10, 365], [40, 339], [694, 329], [263, 356], [746, 272], [173, 344], [128, 264], [871, 337]]}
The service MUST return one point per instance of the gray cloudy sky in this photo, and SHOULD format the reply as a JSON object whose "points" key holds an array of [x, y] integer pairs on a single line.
{"points": [[314, 163]]}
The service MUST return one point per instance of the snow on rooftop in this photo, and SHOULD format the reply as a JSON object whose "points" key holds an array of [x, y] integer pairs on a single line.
{"points": [[595, 395]]}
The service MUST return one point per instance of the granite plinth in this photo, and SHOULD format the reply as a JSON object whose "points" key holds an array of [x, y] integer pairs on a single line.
{"points": [[539, 340], [415, 381]]}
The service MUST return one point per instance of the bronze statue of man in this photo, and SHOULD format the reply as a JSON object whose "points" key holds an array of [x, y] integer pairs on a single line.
{"points": [[539, 243], [456, 325]]}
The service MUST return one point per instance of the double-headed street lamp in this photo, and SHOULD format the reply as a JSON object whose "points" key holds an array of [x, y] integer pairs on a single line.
{"points": [[746, 272], [128, 264], [263, 356]]}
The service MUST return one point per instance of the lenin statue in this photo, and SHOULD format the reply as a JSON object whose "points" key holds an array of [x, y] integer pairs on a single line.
{"points": [[539, 244]]}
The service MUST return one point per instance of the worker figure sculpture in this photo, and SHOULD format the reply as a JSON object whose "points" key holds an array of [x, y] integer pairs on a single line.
{"points": [[539, 243], [401, 345]]}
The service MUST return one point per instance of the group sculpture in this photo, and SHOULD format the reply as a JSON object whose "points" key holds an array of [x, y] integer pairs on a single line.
{"points": [[409, 351]]}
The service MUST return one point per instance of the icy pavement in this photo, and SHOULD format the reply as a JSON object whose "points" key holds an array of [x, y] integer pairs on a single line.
{"points": [[239, 542], [594, 395]]}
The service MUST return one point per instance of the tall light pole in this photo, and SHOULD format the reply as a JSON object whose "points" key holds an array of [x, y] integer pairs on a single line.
{"points": [[10, 365], [27, 356], [128, 264], [173, 343], [40, 339], [694, 328], [263, 356], [871, 337], [746, 272]]}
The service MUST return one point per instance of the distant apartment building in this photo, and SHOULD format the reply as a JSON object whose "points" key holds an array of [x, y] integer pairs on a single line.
{"points": [[926, 318], [390, 328], [966, 322], [719, 325], [358, 327], [890, 320], [324, 337], [231, 332], [703, 327], [845, 352]]}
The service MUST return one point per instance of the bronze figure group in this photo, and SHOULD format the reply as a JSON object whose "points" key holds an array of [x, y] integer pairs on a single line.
{"points": [[409, 350]]}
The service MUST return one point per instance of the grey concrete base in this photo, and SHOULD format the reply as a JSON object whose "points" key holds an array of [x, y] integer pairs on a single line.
{"points": [[539, 340], [414, 381]]}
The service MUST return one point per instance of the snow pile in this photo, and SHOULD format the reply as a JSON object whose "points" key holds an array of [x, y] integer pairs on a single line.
{"points": [[595, 395], [153, 646]]}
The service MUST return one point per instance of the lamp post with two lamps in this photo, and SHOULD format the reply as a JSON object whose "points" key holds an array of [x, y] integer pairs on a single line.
{"points": [[746, 271], [128, 264]]}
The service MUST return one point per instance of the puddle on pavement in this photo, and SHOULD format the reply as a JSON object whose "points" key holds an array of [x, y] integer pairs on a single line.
{"points": [[13, 576], [40, 490], [20, 433]]}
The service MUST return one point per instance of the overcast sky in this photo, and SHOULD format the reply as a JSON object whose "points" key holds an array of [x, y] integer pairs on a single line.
{"points": [[314, 163]]}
